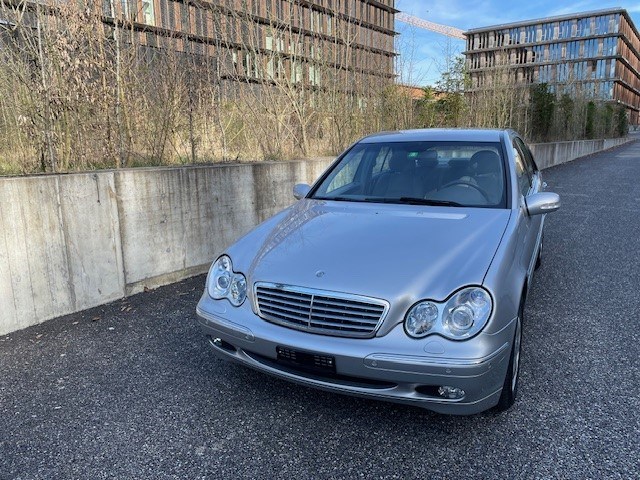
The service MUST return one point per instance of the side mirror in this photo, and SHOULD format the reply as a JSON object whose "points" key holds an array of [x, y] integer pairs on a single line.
{"points": [[301, 190], [542, 202]]}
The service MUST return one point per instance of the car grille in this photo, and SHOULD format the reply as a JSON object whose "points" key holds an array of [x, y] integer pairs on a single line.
{"points": [[319, 311]]}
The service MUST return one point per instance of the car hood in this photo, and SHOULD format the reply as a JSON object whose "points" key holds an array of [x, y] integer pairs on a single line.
{"points": [[399, 253]]}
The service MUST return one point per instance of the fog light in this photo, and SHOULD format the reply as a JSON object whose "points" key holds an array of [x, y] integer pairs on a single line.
{"points": [[450, 392]]}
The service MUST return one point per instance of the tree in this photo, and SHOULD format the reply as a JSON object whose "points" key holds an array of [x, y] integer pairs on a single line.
{"points": [[622, 121], [454, 78], [589, 127], [605, 121], [566, 107], [542, 106], [451, 107], [426, 108]]}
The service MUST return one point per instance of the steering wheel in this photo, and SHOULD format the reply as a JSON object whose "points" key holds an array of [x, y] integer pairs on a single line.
{"points": [[468, 184]]}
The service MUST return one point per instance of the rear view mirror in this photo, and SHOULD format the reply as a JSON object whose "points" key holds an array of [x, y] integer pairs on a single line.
{"points": [[542, 202], [301, 190]]}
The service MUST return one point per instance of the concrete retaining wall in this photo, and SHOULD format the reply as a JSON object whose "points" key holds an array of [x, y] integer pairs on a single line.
{"points": [[550, 154], [70, 242]]}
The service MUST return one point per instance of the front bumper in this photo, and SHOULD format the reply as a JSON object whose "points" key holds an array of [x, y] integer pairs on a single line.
{"points": [[392, 368]]}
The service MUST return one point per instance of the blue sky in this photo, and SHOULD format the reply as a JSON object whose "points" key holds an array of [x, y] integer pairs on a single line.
{"points": [[425, 52]]}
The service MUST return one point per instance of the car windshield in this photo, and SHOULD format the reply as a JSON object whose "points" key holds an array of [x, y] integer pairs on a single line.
{"points": [[469, 174]]}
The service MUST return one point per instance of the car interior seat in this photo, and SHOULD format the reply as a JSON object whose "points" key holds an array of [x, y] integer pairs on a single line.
{"points": [[427, 172], [457, 169], [486, 170], [398, 181]]}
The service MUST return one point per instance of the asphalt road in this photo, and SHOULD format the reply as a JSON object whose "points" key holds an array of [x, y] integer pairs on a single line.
{"points": [[131, 390]]}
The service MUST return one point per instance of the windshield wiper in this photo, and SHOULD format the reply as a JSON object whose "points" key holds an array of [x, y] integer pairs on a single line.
{"points": [[339, 199], [426, 201], [404, 200], [359, 199]]}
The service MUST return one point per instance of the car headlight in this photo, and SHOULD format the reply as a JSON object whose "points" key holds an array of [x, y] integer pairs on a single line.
{"points": [[223, 282], [460, 317], [421, 319]]}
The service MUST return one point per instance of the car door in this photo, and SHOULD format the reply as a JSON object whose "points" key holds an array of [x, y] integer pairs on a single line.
{"points": [[537, 221], [529, 227]]}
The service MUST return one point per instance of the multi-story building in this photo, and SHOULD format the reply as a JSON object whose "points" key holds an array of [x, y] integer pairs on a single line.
{"points": [[265, 39], [252, 40], [593, 54]]}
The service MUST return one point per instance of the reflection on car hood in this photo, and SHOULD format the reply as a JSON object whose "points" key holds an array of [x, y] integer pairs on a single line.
{"points": [[400, 253]]}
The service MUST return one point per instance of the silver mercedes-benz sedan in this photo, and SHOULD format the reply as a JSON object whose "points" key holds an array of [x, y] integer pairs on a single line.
{"points": [[400, 275]]}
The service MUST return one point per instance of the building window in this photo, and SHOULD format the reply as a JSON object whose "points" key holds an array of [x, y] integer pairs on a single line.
{"points": [[271, 68], [275, 68], [296, 48], [184, 18], [562, 72], [484, 40], [199, 22], [602, 24], [148, 13], [521, 56], [564, 30], [234, 63], [314, 76], [296, 72], [316, 21], [606, 90], [584, 27], [538, 54], [514, 36], [127, 11], [528, 75], [530, 34], [609, 46], [544, 74], [250, 65]]}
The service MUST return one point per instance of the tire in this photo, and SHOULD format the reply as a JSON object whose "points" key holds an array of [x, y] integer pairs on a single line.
{"points": [[510, 386], [539, 258]]}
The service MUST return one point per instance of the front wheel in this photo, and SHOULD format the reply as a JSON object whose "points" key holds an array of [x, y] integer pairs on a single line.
{"points": [[510, 387]]}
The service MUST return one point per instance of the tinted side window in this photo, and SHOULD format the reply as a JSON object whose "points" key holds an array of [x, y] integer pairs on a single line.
{"points": [[528, 158], [524, 180]]}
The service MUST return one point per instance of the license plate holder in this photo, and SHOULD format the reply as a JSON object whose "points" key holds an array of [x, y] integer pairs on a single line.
{"points": [[310, 361]]}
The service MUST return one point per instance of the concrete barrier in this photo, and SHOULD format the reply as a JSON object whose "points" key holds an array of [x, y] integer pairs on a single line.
{"points": [[71, 242], [550, 154]]}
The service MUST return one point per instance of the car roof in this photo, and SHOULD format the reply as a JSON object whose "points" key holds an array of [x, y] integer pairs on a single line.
{"points": [[437, 134]]}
